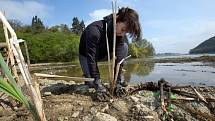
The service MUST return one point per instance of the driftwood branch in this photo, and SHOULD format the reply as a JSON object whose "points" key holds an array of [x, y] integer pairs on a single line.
{"points": [[199, 95], [195, 112], [187, 96], [151, 86]]}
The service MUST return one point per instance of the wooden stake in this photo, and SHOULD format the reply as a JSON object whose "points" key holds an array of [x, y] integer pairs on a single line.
{"points": [[58, 76], [36, 86], [162, 95], [114, 43], [14, 42], [109, 63], [27, 54], [117, 70], [10, 53]]}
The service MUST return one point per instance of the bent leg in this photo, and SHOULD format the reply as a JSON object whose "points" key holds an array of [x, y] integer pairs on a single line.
{"points": [[84, 66]]}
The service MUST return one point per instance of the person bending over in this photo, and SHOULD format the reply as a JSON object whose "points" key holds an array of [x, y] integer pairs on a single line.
{"points": [[93, 46]]}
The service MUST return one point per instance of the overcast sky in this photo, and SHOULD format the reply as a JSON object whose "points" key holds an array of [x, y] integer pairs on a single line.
{"points": [[170, 25]]}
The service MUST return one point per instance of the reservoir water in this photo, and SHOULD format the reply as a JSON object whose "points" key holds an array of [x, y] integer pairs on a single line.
{"points": [[140, 72]]}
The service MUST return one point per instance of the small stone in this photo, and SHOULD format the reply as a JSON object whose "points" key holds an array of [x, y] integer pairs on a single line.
{"points": [[105, 108], [80, 108], [93, 110], [121, 106], [75, 114], [1, 108], [135, 99], [59, 118], [111, 100], [47, 93], [87, 118], [66, 118], [104, 117]]}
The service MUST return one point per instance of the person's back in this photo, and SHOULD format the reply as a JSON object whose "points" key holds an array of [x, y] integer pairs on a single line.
{"points": [[94, 29]]}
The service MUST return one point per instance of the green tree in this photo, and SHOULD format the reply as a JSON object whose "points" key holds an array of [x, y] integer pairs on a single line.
{"points": [[141, 48], [65, 29], [77, 26], [82, 25], [54, 28], [37, 25], [60, 28], [51, 46]]}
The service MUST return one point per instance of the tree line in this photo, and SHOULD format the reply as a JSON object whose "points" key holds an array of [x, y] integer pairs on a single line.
{"points": [[59, 43]]}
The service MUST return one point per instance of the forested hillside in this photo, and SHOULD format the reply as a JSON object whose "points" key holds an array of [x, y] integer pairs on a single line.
{"points": [[60, 43], [208, 46]]}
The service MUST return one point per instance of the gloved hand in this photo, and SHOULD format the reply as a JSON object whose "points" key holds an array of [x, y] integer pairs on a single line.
{"points": [[119, 90], [102, 94]]}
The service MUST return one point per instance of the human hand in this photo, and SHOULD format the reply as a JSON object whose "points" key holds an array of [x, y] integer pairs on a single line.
{"points": [[102, 94], [120, 91]]}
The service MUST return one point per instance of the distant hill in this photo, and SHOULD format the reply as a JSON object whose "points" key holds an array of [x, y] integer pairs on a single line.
{"points": [[208, 46]]}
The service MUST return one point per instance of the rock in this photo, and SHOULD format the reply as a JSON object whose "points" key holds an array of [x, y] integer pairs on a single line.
{"points": [[75, 114], [59, 118], [111, 100], [143, 108], [47, 93], [103, 117], [150, 99], [66, 118], [81, 108], [120, 106], [91, 90], [135, 99], [105, 108], [93, 110], [141, 112], [72, 82], [1, 108], [188, 118], [87, 118]]}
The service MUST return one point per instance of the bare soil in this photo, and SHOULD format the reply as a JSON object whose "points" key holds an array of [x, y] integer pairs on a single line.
{"points": [[70, 101]]}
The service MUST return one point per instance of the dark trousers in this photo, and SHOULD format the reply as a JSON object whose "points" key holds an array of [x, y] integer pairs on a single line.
{"points": [[121, 52]]}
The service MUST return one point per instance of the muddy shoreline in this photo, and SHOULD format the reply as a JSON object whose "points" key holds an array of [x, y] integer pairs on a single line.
{"points": [[71, 101]]}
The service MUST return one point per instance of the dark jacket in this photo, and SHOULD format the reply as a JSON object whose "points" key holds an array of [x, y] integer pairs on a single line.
{"points": [[93, 43]]}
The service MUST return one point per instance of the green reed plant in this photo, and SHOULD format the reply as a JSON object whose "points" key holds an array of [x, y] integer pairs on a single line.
{"points": [[11, 88]]}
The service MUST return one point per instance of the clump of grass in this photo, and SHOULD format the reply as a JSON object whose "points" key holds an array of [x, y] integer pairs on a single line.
{"points": [[11, 88]]}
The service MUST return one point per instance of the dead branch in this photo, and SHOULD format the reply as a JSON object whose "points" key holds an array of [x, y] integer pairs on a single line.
{"points": [[195, 112], [199, 95]]}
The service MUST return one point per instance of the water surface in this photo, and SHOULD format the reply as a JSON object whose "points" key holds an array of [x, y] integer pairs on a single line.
{"points": [[140, 72]]}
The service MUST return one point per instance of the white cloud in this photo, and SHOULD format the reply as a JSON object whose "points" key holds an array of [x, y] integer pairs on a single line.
{"points": [[98, 15], [24, 10]]}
